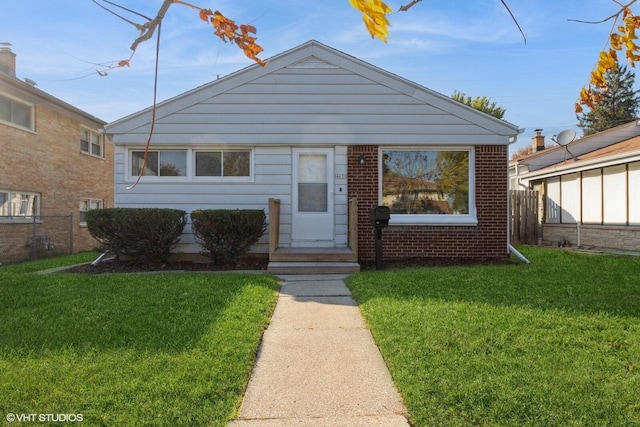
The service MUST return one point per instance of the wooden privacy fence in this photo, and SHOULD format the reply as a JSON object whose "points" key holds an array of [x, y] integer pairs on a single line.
{"points": [[524, 216]]}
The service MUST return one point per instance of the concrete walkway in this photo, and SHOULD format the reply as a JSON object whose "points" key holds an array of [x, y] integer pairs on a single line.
{"points": [[318, 364]]}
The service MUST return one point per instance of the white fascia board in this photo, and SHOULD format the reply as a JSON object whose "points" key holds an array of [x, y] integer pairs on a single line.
{"points": [[618, 159]]}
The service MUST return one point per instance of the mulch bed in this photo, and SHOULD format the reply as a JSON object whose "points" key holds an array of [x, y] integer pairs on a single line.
{"points": [[128, 266]]}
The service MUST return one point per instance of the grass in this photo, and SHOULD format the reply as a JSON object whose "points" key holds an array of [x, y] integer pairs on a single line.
{"points": [[158, 349], [556, 342]]}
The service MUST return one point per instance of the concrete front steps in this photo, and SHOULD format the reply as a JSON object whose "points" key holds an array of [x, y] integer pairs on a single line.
{"points": [[313, 261]]}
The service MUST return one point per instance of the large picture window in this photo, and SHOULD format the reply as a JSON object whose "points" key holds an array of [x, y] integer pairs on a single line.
{"points": [[16, 113], [18, 204], [428, 186]]}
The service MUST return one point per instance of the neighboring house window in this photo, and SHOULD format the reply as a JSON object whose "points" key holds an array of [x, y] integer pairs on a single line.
{"points": [[223, 163], [85, 206], [90, 142], [15, 204], [159, 163], [428, 186], [16, 113]]}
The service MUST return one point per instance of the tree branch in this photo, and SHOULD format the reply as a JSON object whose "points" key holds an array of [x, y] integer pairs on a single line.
{"points": [[150, 27], [614, 16], [409, 5]]}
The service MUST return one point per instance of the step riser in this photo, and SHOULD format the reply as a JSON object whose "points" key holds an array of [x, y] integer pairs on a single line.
{"points": [[313, 258], [312, 268]]}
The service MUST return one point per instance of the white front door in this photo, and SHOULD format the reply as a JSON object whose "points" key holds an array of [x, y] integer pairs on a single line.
{"points": [[312, 201]]}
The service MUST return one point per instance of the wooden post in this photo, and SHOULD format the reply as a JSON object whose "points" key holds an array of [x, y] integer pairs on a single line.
{"points": [[274, 226], [353, 226]]}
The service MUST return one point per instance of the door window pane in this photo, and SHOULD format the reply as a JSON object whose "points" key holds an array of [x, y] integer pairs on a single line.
{"points": [[312, 197], [312, 183]]}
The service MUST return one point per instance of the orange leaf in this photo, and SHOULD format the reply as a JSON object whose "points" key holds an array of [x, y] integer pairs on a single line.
{"points": [[123, 63], [578, 108], [204, 14]]}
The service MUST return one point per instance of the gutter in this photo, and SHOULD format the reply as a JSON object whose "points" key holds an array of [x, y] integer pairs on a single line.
{"points": [[509, 246], [518, 254]]}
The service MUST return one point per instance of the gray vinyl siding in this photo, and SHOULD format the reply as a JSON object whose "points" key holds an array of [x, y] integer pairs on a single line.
{"points": [[272, 178], [310, 96], [302, 105]]}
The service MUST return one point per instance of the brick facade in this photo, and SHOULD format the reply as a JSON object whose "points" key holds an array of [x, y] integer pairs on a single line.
{"points": [[49, 162], [487, 241]]}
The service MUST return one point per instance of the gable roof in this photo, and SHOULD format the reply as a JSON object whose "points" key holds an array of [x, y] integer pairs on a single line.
{"points": [[296, 78], [626, 151], [556, 155]]}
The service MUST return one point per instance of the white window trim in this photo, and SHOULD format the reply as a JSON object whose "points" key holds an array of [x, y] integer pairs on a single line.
{"points": [[101, 139], [470, 219], [85, 199], [32, 108], [148, 178], [190, 174], [21, 218]]}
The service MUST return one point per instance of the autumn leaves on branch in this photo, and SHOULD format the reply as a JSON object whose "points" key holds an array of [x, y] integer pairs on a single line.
{"points": [[374, 14], [622, 37]]}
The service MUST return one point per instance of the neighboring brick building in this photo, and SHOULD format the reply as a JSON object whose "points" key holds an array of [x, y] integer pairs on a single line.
{"points": [[54, 166]]}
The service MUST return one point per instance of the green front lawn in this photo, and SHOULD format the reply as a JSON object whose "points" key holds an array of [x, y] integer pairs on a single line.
{"points": [[158, 349], [554, 343]]}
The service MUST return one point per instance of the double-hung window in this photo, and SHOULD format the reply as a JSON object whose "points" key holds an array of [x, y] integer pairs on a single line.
{"points": [[18, 205], [85, 206], [16, 113], [433, 186], [90, 142]]}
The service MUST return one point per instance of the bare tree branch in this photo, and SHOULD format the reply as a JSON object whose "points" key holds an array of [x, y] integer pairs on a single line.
{"points": [[614, 16], [409, 5], [515, 20], [150, 27]]}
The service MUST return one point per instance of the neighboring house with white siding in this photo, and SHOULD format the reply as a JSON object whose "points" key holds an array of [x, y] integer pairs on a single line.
{"points": [[590, 192], [315, 129]]}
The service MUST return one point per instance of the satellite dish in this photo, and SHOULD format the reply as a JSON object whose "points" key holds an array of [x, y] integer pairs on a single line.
{"points": [[565, 137]]}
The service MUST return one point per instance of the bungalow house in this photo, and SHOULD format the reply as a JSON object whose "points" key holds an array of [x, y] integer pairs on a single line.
{"points": [[317, 138], [55, 165], [589, 191]]}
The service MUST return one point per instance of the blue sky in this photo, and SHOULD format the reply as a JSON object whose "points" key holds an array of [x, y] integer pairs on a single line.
{"points": [[471, 46]]}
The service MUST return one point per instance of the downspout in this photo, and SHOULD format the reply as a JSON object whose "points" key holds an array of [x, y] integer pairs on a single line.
{"points": [[511, 249]]}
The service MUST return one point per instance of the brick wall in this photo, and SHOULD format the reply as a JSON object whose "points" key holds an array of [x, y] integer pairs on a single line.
{"points": [[49, 162], [617, 237], [484, 242]]}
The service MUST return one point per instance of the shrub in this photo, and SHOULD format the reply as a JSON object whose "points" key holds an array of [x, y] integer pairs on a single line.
{"points": [[146, 234], [226, 235]]}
